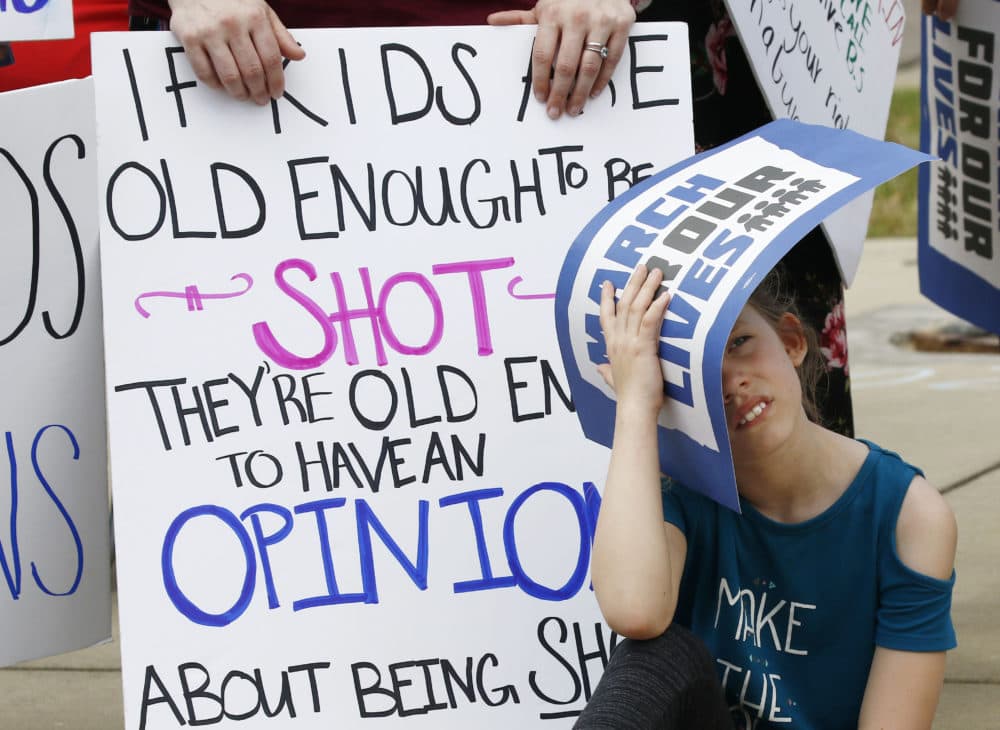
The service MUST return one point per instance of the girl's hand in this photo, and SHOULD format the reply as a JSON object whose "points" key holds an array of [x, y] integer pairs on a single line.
{"points": [[637, 559], [632, 335]]}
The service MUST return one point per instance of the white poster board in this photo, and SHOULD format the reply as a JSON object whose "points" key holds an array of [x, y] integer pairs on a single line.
{"points": [[55, 566], [31, 20], [342, 454], [830, 63]]}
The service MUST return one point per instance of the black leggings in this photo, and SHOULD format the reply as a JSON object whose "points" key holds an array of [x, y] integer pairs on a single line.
{"points": [[666, 683]]}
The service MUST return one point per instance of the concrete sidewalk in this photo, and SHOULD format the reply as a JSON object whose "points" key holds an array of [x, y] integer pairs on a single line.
{"points": [[940, 411]]}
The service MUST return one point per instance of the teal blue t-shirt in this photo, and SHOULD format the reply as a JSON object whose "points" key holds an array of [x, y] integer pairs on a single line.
{"points": [[793, 613]]}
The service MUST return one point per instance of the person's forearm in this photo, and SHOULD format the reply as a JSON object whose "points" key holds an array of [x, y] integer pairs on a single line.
{"points": [[631, 567]]}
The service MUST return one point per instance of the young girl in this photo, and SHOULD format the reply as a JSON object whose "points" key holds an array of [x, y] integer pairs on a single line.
{"points": [[825, 605]]}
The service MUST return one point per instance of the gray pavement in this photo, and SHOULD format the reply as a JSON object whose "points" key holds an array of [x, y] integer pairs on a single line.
{"points": [[942, 412]]}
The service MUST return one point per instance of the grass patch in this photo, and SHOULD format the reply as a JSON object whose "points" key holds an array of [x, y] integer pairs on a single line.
{"points": [[894, 212]]}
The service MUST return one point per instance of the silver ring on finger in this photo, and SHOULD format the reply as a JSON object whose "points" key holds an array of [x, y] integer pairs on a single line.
{"points": [[599, 48]]}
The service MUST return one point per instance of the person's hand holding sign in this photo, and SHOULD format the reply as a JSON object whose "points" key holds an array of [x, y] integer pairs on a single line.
{"points": [[944, 9], [239, 46], [236, 45], [582, 40]]}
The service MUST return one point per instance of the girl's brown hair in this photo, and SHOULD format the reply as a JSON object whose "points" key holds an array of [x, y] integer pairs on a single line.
{"points": [[773, 298]]}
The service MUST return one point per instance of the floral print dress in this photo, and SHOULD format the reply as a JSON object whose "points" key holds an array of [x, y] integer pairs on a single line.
{"points": [[728, 104]]}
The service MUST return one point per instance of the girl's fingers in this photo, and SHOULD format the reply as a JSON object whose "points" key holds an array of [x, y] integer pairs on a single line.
{"points": [[607, 306], [631, 289], [653, 319], [605, 372], [639, 306]]}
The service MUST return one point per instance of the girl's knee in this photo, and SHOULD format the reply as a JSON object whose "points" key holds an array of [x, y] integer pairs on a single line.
{"points": [[677, 643], [665, 682]]}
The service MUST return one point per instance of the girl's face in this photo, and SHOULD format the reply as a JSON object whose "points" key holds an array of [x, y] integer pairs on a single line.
{"points": [[760, 386]]}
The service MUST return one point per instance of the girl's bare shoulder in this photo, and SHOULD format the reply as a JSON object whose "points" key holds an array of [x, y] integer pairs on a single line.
{"points": [[926, 531]]}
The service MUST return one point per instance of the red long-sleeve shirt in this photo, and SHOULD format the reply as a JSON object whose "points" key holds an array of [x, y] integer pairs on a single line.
{"points": [[365, 13]]}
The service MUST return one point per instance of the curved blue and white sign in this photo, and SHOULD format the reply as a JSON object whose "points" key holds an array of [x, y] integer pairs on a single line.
{"points": [[715, 224], [959, 196]]}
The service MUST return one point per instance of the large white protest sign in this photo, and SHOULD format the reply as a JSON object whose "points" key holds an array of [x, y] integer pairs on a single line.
{"points": [[26, 20], [347, 479], [831, 63], [714, 225], [55, 588], [959, 207]]}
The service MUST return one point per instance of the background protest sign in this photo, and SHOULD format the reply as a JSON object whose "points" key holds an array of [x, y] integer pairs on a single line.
{"points": [[715, 225], [28, 20], [831, 63], [959, 198], [55, 588], [348, 482]]}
